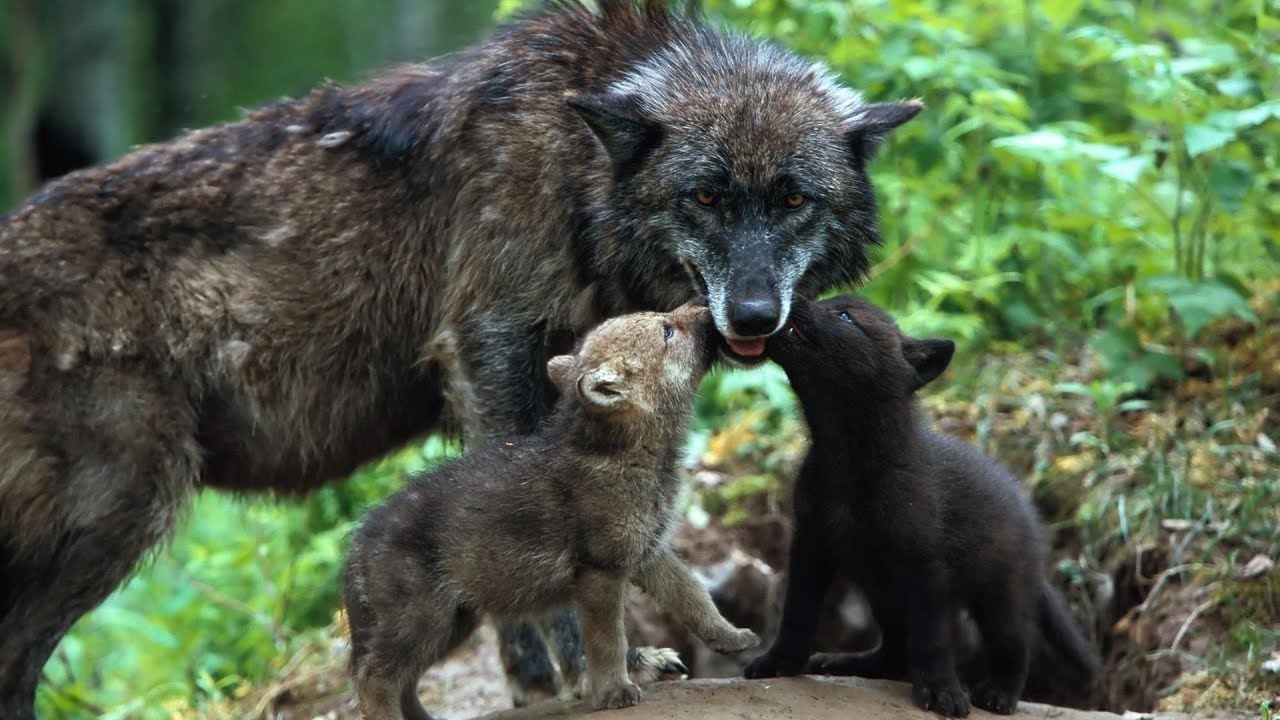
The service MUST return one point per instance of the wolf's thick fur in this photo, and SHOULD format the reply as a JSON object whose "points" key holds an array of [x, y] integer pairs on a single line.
{"points": [[264, 304], [924, 524], [522, 526]]}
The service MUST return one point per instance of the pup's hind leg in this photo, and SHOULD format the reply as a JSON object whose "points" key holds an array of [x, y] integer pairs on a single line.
{"points": [[1004, 621], [389, 657], [93, 472]]}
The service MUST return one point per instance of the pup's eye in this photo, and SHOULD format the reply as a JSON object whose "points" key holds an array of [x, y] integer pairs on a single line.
{"points": [[845, 316], [705, 198], [667, 332], [794, 201]]}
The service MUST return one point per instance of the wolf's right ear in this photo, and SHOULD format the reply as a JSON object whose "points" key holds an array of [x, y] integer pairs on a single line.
{"points": [[560, 369], [872, 124], [928, 357], [620, 126], [602, 389]]}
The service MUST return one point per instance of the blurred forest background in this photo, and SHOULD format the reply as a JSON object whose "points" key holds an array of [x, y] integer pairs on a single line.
{"points": [[1089, 205]]}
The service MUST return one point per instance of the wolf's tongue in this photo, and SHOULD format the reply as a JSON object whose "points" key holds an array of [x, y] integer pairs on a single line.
{"points": [[747, 348]]}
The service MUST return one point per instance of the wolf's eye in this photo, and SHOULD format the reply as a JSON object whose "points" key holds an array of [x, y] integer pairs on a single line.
{"points": [[845, 316], [793, 201], [705, 198], [667, 332]]}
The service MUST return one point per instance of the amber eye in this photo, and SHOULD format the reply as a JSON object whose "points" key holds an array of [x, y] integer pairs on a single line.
{"points": [[793, 201], [705, 198]]}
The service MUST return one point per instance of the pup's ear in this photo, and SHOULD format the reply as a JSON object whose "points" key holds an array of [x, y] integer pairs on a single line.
{"points": [[602, 389], [620, 125], [929, 358], [560, 369], [872, 123]]}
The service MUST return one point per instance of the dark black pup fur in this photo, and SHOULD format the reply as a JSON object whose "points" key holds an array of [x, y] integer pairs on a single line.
{"points": [[924, 523]]}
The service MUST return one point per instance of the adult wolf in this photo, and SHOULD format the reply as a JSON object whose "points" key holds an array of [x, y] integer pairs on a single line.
{"points": [[264, 304]]}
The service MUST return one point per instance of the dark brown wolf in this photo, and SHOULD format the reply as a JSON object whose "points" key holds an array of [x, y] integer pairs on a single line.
{"points": [[525, 525], [265, 304], [923, 524]]}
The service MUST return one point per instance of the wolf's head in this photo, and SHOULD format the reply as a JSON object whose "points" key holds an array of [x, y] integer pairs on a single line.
{"points": [[747, 165], [846, 349]]}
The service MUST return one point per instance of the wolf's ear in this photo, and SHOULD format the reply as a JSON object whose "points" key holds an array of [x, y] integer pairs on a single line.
{"points": [[868, 128], [620, 125], [929, 358], [602, 389], [560, 369]]}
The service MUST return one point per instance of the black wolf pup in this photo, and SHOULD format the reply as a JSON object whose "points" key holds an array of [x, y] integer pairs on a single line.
{"points": [[525, 526], [263, 305], [926, 525]]}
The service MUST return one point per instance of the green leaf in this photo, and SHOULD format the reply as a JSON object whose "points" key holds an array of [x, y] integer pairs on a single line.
{"points": [[1060, 13], [1201, 139], [1127, 170], [1199, 303], [1230, 183]]}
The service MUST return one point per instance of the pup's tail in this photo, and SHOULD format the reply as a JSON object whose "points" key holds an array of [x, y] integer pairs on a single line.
{"points": [[1062, 632]]}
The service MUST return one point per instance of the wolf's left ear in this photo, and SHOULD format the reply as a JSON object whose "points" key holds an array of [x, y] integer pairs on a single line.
{"points": [[873, 123], [620, 125], [560, 369], [929, 358]]}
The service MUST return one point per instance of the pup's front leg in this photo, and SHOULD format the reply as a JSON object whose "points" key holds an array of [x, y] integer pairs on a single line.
{"points": [[811, 574], [930, 660], [676, 589], [599, 597]]}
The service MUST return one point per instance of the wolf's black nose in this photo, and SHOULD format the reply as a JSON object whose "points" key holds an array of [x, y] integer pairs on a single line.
{"points": [[750, 318]]}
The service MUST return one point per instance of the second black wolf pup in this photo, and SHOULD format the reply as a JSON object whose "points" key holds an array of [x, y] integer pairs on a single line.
{"points": [[926, 525], [523, 527]]}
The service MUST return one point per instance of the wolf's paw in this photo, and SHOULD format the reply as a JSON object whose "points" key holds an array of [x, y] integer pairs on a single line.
{"points": [[624, 694], [772, 664], [736, 641], [995, 699], [649, 664], [944, 697]]}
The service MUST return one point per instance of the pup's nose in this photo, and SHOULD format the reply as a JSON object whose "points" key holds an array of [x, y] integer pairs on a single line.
{"points": [[750, 318]]}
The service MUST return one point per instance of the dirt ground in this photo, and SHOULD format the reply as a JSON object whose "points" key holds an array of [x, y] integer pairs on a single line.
{"points": [[470, 684], [807, 698]]}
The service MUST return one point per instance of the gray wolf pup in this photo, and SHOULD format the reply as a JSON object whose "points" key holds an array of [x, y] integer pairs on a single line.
{"points": [[924, 524], [521, 526], [265, 304]]}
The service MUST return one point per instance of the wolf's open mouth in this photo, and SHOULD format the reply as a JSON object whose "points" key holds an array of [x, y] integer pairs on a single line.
{"points": [[746, 348], [745, 353]]}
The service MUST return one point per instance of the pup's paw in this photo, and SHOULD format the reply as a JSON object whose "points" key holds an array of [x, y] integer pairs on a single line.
{"points": [[624, 694], [772, 664], [823, 664], [649, 664], [995, 699], [944, 697], [734, 642]]}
